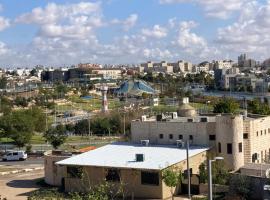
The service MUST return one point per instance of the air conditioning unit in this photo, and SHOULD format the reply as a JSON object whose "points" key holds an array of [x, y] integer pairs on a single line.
{"points": [[139, 157], [145, 142], [143, 118], [174, 115], [180, 144]]}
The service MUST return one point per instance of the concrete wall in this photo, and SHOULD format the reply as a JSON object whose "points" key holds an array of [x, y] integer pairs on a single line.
{"points": [[229, 130], [54, 173], [259, 139], [131, 178], [152, 129]]}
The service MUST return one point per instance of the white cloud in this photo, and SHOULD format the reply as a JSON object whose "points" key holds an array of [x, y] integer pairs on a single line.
{"points": [[191, 43], [157, 53], [214, 8], [54, 13], [250, 33], [128, 23], [156, 32], [4, 23], [187, 39], [3, 48]]}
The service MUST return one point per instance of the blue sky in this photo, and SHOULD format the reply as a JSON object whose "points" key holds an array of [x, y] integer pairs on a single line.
{"points": [[66, 32]]}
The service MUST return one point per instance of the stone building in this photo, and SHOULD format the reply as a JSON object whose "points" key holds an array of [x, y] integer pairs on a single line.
{"points": [[239, 139], [138, 167]]}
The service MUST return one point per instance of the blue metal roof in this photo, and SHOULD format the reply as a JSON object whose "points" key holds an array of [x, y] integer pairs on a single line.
{"points": [[135, 87]]}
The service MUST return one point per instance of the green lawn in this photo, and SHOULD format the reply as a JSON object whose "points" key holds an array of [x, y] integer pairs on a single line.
{"points": [[165, 108], [38, 139], [87, 105]]}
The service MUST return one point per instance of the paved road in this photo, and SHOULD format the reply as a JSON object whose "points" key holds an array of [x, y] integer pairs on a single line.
{"points": [[18, 186], [29, 161]]}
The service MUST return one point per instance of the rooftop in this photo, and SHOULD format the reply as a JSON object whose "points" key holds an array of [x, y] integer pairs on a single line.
{"points": [[256, 166], [122, 155]]}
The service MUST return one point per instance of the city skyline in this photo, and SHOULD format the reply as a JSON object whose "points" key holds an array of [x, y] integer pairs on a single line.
{"points": [[68, 32]]}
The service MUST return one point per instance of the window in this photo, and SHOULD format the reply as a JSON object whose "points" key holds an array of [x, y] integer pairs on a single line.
{"points": [[212, 137], [240, 147], [160, 136], [229, 148], [245, 136], [171, 136], [149, 178], [261, 132], [74, 172], [269, 130], [190, 120], [15, 153], [254, 157], [257, 133], [204, 119], [185, 173], [113, 175], [190, 137], [265, 132], [219, 147], [180, 137]]}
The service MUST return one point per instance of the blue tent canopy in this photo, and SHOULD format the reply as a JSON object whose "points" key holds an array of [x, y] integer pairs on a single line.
{"points": [[135, 87]]}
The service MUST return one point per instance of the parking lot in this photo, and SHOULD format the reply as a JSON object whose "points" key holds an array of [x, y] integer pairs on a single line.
{"points": [[27, 162], [18, 186]]}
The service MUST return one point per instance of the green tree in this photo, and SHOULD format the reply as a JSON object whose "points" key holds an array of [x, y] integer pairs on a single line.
{"points": [[20, 101], [172, 177], [3, 83], [220, 174], [5, 105], [226, 105], [203, 173], [61, 90], [82, 127], [56, 136], [256, 107], [38, 118], [241, 186], [34, 72], [19, 126]]}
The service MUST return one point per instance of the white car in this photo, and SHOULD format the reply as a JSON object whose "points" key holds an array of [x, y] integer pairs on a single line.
{"points": [[15, 155]]}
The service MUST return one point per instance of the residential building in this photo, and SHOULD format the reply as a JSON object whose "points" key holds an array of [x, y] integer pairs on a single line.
{"points": [[203, 67], [245, 63], [223, 64], [182, 66], [108, 73], [162, 67]]}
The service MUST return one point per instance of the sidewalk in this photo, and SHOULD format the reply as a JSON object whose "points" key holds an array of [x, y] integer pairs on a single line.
{"points": [[6, 170]]}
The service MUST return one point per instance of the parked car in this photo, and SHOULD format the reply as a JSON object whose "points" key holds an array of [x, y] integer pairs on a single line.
{"points": [[15, 155]]}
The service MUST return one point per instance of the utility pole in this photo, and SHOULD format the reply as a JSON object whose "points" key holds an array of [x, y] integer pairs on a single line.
{"points": [[188, 170], [89, 124], [210, 179], [124, 124]]}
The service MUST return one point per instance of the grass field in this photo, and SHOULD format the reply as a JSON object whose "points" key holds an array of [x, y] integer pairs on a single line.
{"points": [[166, 108], [87, 105], [38, 139]]}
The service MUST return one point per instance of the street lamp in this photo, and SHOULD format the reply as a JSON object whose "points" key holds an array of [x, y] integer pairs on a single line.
{"points": [[210, 197]]}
